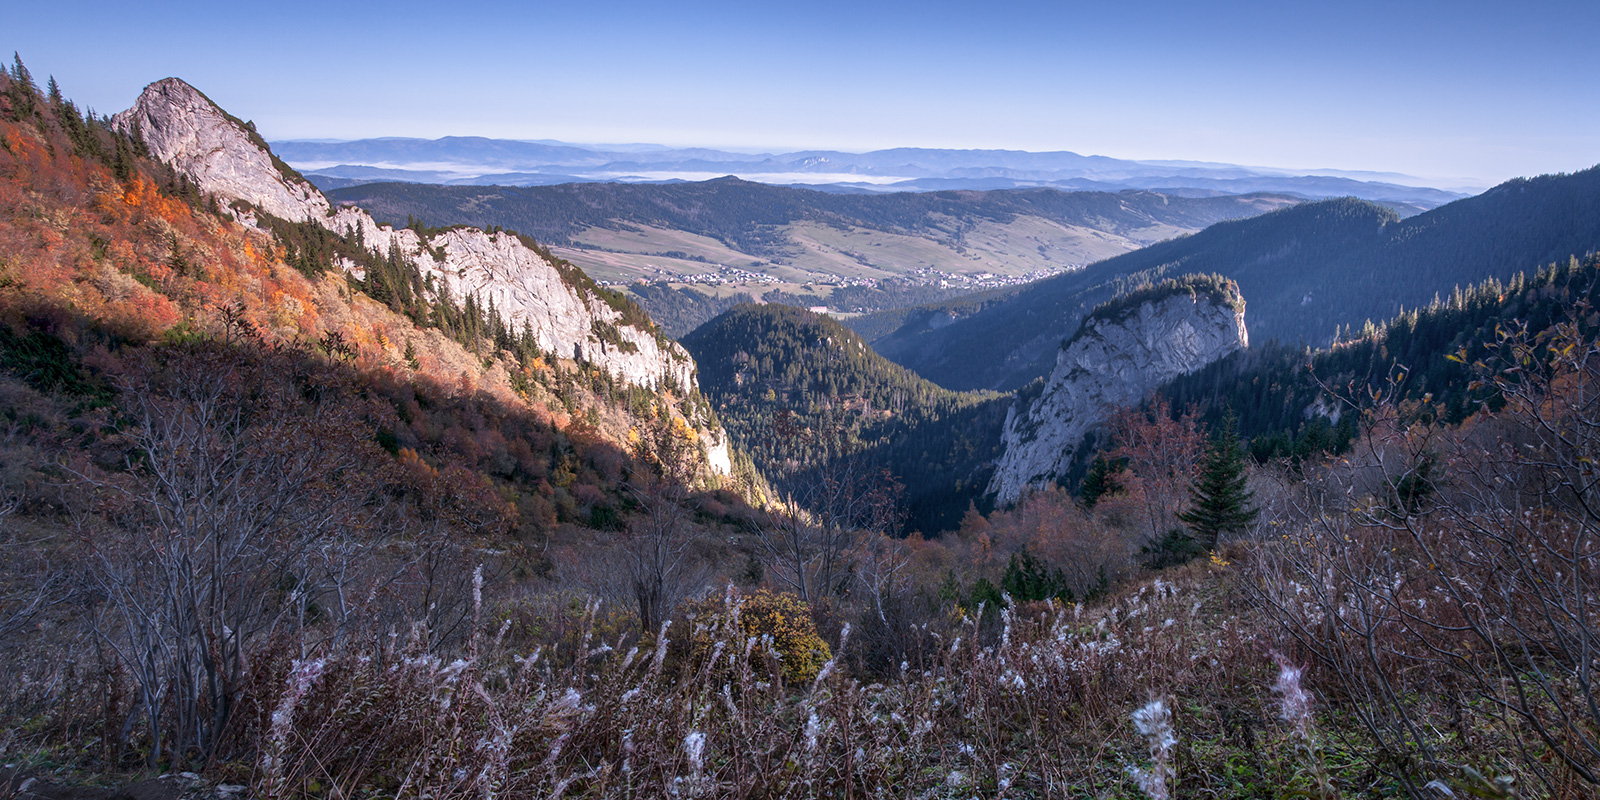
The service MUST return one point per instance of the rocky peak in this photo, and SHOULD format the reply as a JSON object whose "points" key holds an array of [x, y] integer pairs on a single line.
{"points": [[222, 155], [226, 158], [1122, 351]]}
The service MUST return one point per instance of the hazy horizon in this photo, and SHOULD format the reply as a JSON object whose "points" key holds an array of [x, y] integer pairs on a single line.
{"points": [[1469, 93], [1452, 183]]}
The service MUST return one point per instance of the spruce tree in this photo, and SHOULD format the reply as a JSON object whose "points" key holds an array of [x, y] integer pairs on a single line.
{"points": [[20, 73], [1219, 501], [1103, 479], [22, 90]]}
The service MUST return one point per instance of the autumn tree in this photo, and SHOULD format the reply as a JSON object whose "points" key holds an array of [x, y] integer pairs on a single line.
{"points": [[1160, 453]]}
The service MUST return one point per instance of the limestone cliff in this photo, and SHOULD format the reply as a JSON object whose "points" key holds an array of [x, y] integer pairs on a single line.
{"points": [[222, 155], [569, 315], [225, 158], [1123, 350]]}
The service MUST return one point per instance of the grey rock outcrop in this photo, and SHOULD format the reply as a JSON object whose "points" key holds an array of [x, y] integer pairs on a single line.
{"points": [[1112, 362], [223, 157], [569, 317], [183, 128]]}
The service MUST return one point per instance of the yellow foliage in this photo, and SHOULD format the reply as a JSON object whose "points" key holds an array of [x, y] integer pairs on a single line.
{"points": [[780, 615], [681, 429]]}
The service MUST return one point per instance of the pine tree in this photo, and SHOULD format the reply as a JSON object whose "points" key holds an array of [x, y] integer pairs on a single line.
{"points": [[1219, 502], [176, 261]]}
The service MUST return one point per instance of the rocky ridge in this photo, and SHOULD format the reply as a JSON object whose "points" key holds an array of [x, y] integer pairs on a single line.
{"points": [[225, 158], [1113, 361]]}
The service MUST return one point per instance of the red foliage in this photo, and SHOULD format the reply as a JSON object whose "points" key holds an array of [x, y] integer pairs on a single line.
{"points": [[1161, 455]]}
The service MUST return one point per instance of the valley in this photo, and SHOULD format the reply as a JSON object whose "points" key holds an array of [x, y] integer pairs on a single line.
{"points": [[729, 236], [460, 490], [1309, 271]]}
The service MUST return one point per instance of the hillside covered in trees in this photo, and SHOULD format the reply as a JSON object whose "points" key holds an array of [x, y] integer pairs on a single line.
{"points": [[1307, 273], [804, 395], [1293, 402]]}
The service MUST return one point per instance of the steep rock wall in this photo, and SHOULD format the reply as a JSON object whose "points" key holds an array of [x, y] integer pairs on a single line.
{"points": [[225, 158], [1110, 363], [182, 127]]}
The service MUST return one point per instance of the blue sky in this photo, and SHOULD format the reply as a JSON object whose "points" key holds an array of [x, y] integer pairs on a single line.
{"points": [[1477, 91]]}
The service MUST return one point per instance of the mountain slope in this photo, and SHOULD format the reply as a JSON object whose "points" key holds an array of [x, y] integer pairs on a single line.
{"points": [[1295, 404], [1307, 271], [802, 393], [120, 281], [562, 310]]}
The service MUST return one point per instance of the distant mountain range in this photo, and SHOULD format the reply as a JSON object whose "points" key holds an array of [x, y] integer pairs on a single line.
{"points": [[749, 217], [478, 161]]}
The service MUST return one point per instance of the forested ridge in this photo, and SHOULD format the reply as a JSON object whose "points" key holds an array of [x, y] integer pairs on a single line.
{"points": [[1294, 402], [746, 215], [1305, 271], [111, 259], [801, 392]]}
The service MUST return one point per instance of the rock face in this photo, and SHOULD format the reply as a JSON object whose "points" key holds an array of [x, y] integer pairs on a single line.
{"points": [[1113, 361], [182, 127], [568, 315], [223, 157]]}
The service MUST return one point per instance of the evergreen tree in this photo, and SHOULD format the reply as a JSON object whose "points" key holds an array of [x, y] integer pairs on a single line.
{"points": [[1103, 479], [1219, 502], [176, 261], [22, 90], [20, 74]]}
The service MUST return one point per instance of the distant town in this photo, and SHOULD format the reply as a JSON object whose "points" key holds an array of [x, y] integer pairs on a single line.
{"points": [[925, 276]]}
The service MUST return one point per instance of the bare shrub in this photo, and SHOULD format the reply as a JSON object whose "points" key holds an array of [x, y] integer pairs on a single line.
{"points": [[1446, 578], [658, 548], [815, 536], [236, 487]]}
